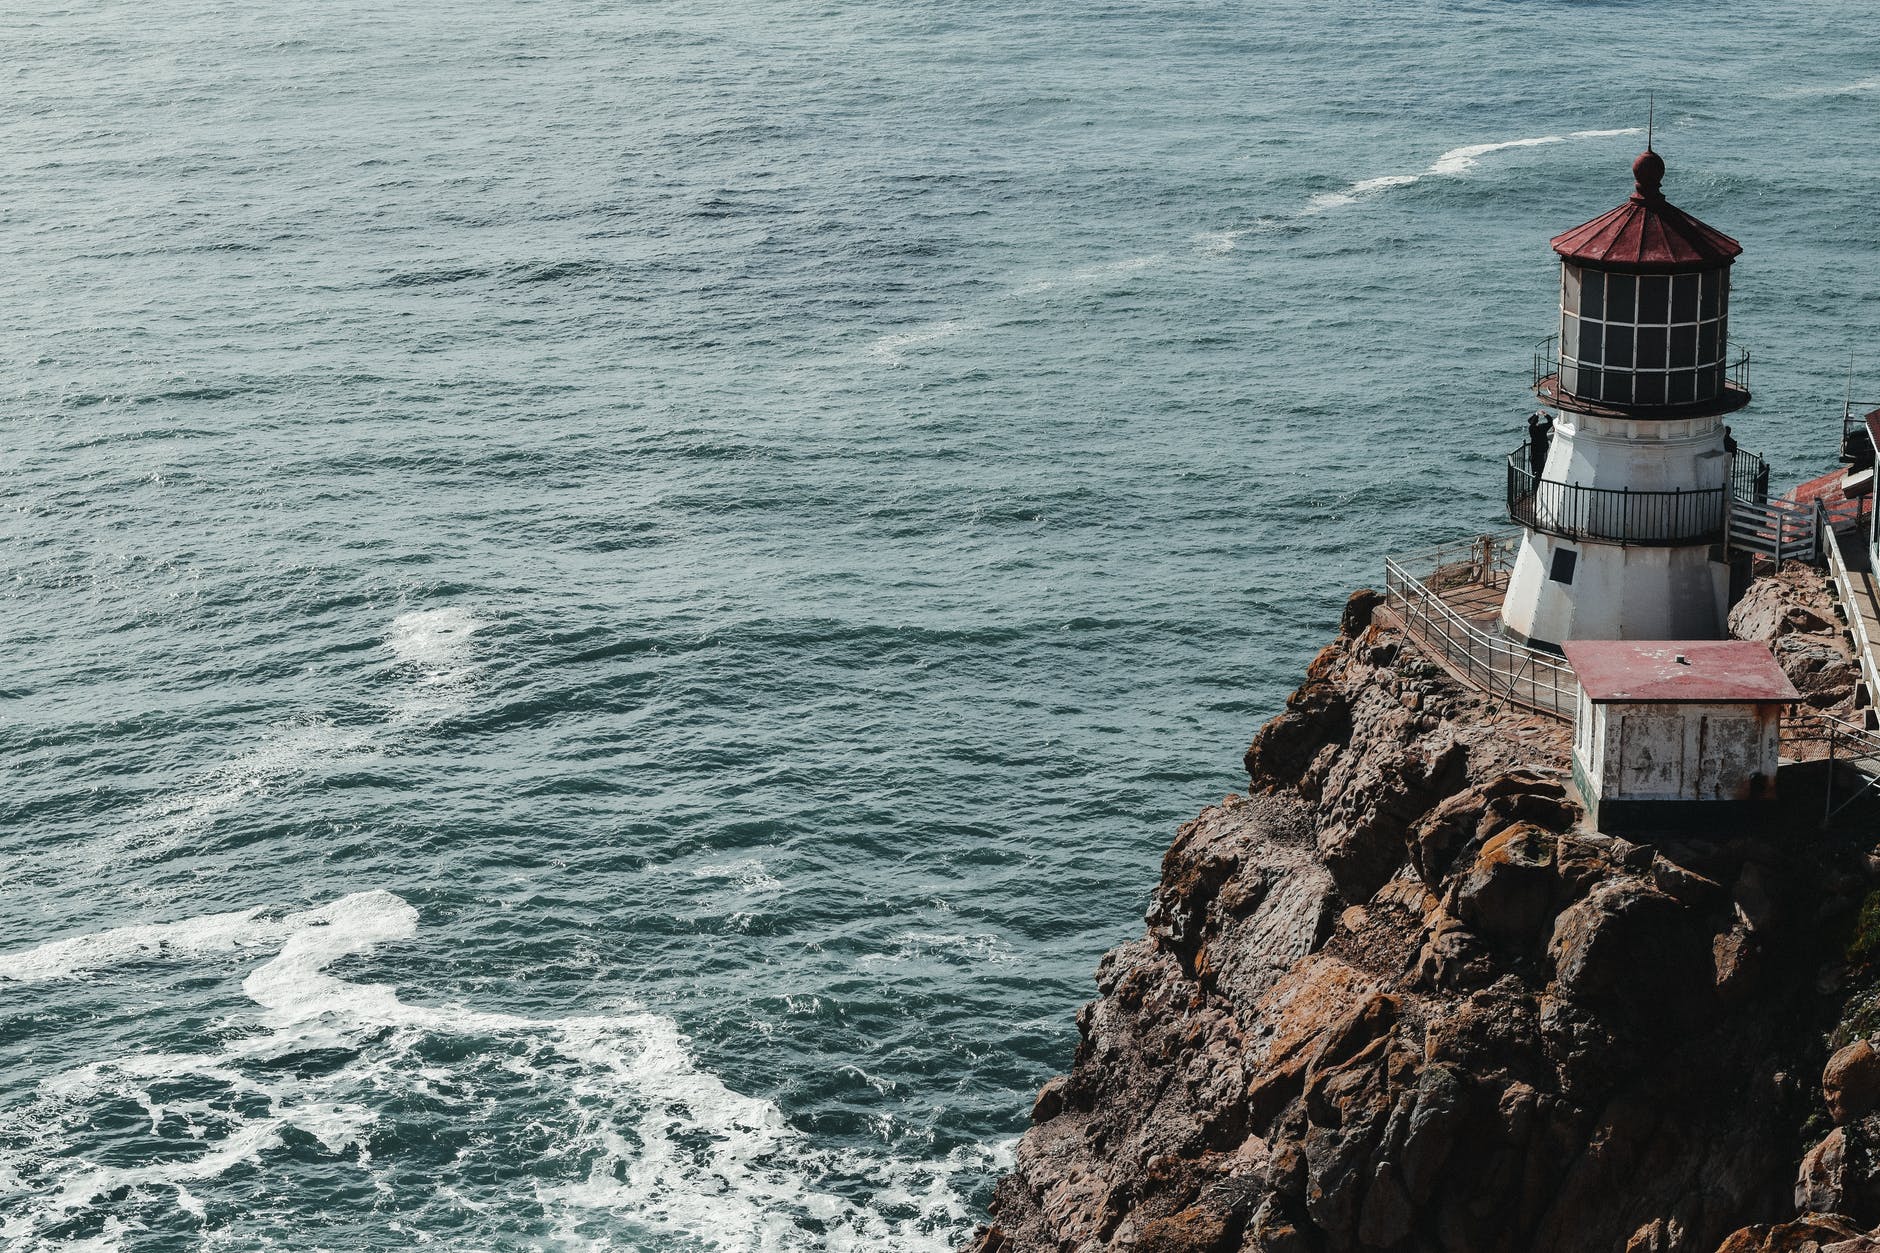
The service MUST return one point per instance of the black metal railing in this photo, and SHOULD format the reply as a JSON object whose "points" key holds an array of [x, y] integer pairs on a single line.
{"points": [[1855, 444], [1614, 515], [1485, 660], [1586, 381], [1749, 477]]}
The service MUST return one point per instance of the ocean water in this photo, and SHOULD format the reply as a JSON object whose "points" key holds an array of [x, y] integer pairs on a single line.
{"points": [[606, 607]]}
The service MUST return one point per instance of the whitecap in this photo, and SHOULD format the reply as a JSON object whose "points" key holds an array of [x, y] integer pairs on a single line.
{"points": [[435, 642], [747, 874], [891, 349], [436, 650]]}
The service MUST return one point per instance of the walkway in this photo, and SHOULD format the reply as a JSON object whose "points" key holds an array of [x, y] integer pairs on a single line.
{"points": [[1451, 612], [1860, 604]]}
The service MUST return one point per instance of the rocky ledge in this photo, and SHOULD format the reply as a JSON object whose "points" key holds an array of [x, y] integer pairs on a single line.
{"points": [[1399, 998]]}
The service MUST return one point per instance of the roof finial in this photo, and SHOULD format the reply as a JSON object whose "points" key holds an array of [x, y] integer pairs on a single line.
{"points": [[1648, 172]]}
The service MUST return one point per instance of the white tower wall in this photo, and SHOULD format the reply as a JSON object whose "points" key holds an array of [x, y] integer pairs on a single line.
{"points": [[1622, 591]]}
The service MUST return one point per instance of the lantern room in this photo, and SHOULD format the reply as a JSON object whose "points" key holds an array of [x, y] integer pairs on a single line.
{"points": [[1645, 308]]}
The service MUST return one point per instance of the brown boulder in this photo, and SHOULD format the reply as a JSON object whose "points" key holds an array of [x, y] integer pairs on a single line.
{"points": [[1627, 944], [1850, 1083], [1444, 829], [1359, 607], [1822, 672], [1508, 893], [1839, 1175], [1774, 607], [1807, 1234], [1194, 1230], [1317, 715]]}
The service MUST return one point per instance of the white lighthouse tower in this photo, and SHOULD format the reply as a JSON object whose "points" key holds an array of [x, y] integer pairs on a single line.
{"points": [[1623, 490]]}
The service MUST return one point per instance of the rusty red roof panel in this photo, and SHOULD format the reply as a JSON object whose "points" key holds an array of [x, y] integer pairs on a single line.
{"points": [[1647, 232], [1827, 488], [1649, 671]]}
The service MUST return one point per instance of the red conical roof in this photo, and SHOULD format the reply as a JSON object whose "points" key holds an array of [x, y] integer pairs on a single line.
{"points": [[1647, 232]]}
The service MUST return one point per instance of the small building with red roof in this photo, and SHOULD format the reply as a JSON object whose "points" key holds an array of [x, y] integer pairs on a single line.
{"points": [[1676, 733]]}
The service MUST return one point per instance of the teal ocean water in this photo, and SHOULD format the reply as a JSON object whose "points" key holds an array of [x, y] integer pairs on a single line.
{"points": [[606, 607]]}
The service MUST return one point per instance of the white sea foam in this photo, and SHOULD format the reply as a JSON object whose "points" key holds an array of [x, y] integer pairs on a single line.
{"points": [[662, 1147], [192, 937], [1110, 269], [748, 874], [1452, 164], [1220, 243], [295, 749], [434, 641], [1357, 191], [1855, 88], [436, 653], [892, 349]]}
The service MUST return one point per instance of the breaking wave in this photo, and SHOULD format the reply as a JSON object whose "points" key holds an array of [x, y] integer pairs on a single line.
{"points": [[626, 1136]]}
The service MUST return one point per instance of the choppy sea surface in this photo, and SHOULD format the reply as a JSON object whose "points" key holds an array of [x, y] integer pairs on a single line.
{"points": [[606, 607]]}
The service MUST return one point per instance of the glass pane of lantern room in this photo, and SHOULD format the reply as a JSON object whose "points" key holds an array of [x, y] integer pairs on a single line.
{"points": [[1621, 305], [1684, 298], [1654, 299], [1707, 302], [1683, 347], [1651, 348], [1618, 344], [1651, 389], [1570, 338], [1592, 294], [1681, 387], [1570, 288], [1590, 333]]}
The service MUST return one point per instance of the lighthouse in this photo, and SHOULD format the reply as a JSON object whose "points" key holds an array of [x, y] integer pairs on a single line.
{"points": [[1623, 489]]}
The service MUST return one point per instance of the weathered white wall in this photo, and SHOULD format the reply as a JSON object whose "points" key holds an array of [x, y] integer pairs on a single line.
{"points": [[1679, 752], [1624, 591]]}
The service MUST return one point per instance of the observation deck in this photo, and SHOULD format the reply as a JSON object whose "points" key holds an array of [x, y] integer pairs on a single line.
{"points": [[1625, 516], [1610, 390]]}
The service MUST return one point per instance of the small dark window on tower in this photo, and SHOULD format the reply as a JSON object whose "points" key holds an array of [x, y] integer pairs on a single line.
{"points": [[1564, 561]]}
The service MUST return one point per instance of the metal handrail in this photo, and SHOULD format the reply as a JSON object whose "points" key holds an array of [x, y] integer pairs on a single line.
{"points": [[1749, 476], [1850, 607], [1497, 666], [1614, 515], [1854, 414], [1547, 364], [1844, 741]]}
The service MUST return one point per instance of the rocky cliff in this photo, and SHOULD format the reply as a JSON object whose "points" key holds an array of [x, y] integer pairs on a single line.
{"points": [[1397, 997]]}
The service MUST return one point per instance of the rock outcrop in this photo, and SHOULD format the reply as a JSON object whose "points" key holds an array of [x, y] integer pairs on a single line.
{"points": [[1398, 998]]}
